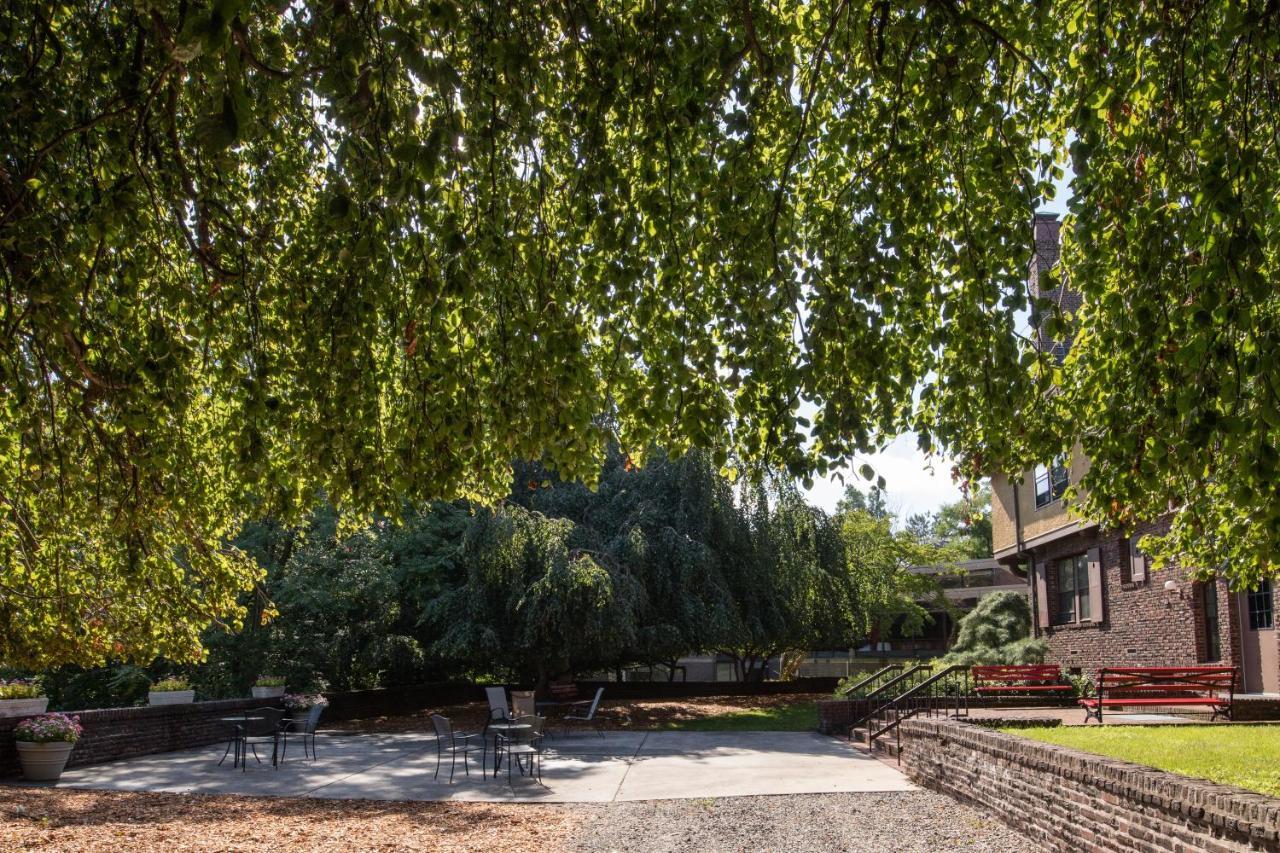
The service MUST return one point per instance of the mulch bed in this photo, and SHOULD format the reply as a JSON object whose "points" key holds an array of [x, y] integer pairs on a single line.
{"points": [[620, 715], [61, 820]]}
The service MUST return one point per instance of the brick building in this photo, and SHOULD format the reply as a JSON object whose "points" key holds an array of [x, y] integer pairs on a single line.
{"points": [[1094, 599]]}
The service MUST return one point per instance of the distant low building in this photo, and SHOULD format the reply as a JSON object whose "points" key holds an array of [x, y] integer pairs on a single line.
{"points": [[963, 584]]}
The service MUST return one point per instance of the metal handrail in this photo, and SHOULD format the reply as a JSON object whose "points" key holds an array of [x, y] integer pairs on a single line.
{"points": [[875, 676], [893, 682], [895, 705]]}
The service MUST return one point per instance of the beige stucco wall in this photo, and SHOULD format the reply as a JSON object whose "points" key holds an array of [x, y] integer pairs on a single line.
{"points": [[1035, 522]]}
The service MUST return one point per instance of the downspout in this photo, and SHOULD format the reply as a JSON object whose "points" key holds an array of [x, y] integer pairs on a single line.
{"points": [[1031, 573], [1017, 522]]}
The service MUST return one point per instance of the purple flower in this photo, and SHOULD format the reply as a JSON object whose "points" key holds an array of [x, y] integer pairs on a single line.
{"points": [[49, 728], [304, 701]]}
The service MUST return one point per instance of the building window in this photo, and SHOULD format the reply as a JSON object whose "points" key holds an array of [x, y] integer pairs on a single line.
{"points": [[1212, 642], [1073, 589], [1133, 563], [1051, 482], [1261, 613]]}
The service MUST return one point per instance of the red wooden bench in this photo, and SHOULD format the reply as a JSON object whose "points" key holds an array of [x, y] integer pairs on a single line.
{"points": [[562, 694], [1020, 679], [1165, 686]]}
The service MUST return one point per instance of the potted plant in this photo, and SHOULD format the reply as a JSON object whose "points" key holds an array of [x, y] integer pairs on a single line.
{"points": [[21, 697], [302, 702], [173, 690], [304, 716], [268, 686], [44, 744]]}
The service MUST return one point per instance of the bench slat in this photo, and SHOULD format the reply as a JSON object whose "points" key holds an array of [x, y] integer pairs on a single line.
{"points": [[1018, 678], [1163, 686], [1106, 703]]}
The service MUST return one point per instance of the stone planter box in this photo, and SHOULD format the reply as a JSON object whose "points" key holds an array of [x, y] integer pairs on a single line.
{"points": [[267, 692], [43, 762], [23, 707], [171, 697]]}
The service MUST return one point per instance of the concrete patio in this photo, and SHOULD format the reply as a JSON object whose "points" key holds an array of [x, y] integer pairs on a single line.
{"points": [[582, 768]]}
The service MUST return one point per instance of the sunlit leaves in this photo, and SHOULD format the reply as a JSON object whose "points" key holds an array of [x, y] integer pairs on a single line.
{"points": [[672, 224]]}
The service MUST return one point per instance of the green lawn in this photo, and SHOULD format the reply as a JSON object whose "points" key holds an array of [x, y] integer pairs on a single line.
{"points": [[802, 716], [1247, 756]]}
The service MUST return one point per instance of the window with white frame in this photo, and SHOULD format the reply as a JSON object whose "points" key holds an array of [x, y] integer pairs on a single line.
{"points": [[1073, 589], [1051, 482], [1260, 607]]}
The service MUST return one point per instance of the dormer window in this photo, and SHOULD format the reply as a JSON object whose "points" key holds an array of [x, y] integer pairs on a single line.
{"points": [[1051, 482]]}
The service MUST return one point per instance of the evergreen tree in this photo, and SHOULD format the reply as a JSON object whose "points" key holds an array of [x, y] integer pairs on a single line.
{"points": [[997, 631]]}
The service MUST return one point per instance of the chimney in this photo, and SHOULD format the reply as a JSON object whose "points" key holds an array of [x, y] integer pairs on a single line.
{"points": [[1047, 228], [1046, 282]]}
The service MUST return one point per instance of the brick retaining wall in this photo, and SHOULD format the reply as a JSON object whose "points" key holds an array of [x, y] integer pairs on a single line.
{"points": [[1068, 800], [1255, 708], [113, 733], [836, 715]]}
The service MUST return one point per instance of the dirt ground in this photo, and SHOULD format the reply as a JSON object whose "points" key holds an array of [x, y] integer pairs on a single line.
{"points": [[630, 714], [44, 819]]}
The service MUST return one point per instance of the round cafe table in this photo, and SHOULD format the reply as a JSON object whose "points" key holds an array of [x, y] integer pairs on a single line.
{"points": [[236, 723], [508, 729]]}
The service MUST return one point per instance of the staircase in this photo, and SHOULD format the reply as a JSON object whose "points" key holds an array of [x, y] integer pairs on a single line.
{"points": [[917, 692]]}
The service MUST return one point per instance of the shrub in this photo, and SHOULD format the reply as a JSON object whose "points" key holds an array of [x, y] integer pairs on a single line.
{"points": [[1083, 685], [173, 682], [304, 701], [20, 689], [269, 681], [997, 631], [49, 728], [111, 686]]}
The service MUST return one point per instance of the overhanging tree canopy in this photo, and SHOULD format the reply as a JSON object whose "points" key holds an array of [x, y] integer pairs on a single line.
{"points": [[253, 250]]}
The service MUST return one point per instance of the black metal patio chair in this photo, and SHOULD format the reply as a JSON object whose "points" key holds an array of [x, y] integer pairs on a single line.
{"points": [[517, 744], [454, 743], [304, 728], [261, 726]]}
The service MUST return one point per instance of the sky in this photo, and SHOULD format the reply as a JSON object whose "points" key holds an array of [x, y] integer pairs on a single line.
{"points": [[911, 484]]}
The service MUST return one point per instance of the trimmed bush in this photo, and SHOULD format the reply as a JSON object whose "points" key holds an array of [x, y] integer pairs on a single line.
{"points": [[997, 631]]}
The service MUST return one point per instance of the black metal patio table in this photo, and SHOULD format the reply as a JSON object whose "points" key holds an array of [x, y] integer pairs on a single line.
{"points": [[505, 728], [237, 724]]}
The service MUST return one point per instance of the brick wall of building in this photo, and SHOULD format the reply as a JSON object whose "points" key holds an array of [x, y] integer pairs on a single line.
{"points": [[1142, 623], [1066, 800]]}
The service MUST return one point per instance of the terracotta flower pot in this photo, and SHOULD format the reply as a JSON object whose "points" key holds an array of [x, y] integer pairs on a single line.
{"points": [[43, 762], [23, 707]]}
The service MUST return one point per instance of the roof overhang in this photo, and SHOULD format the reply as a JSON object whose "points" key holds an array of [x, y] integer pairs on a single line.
{"points": [[1034, 542]]}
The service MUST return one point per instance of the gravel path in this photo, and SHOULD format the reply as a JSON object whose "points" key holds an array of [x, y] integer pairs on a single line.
{"points": [[804, 823]]}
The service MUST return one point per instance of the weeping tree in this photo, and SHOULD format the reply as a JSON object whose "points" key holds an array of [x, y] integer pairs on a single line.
{"points": [[252, 251], [527, 602], [997, 631]]}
